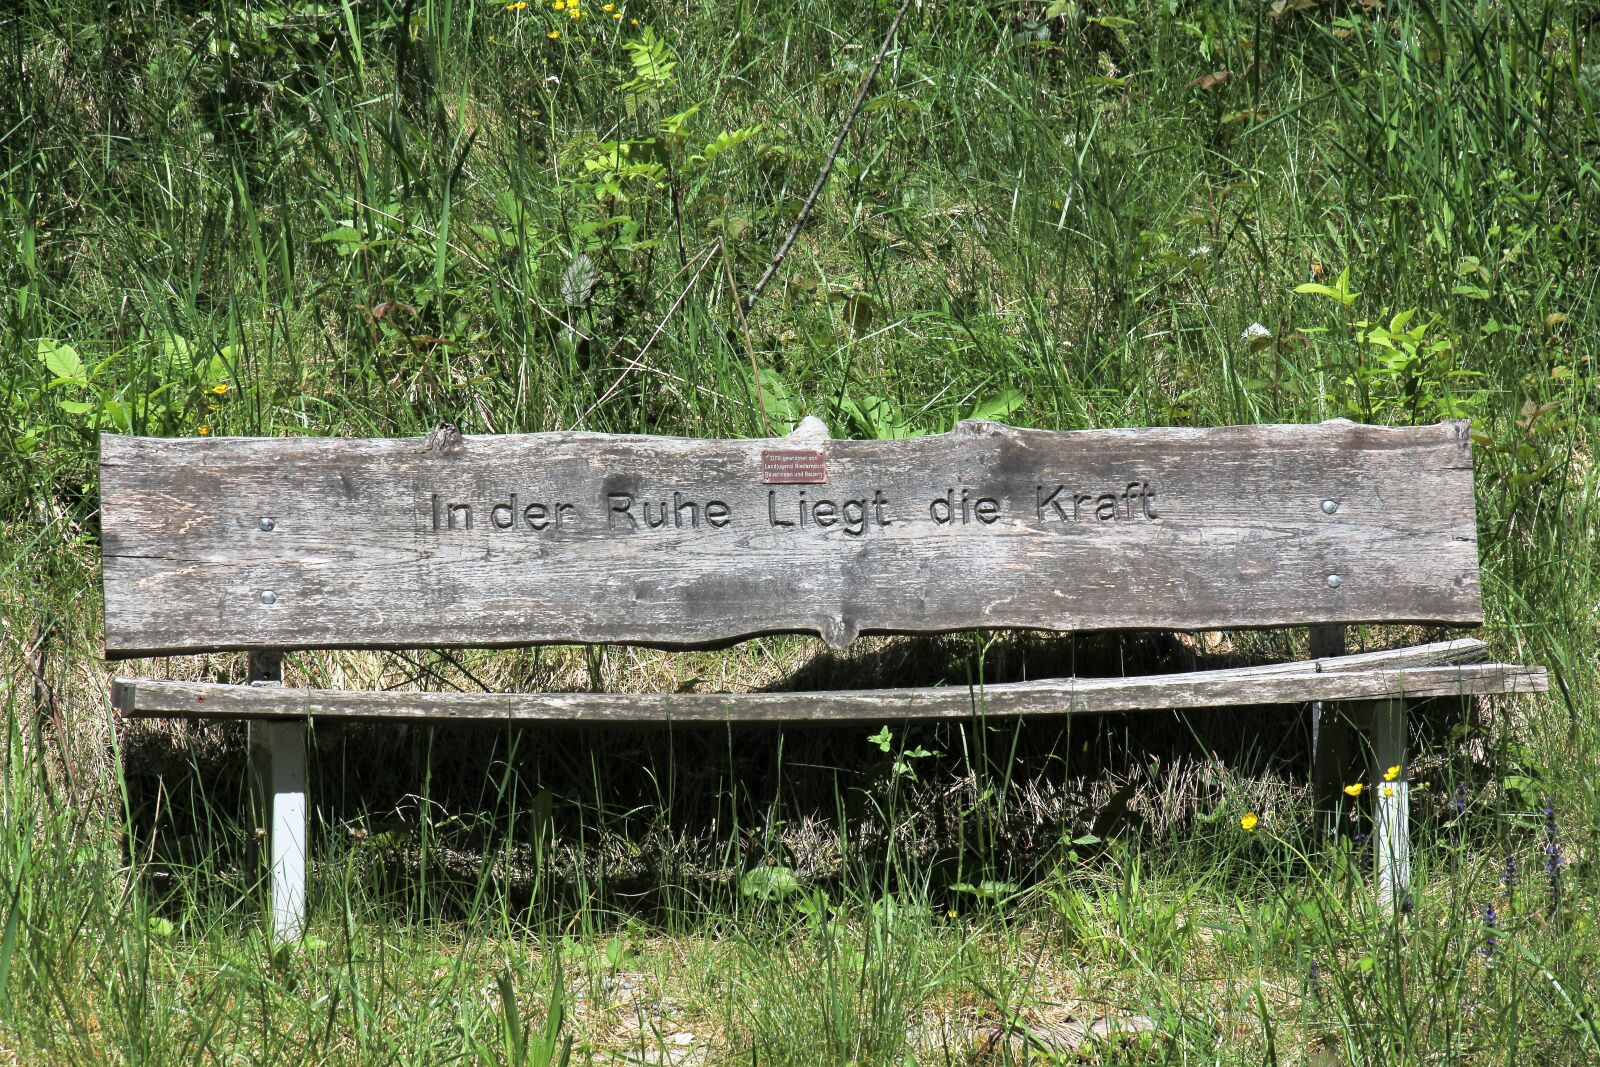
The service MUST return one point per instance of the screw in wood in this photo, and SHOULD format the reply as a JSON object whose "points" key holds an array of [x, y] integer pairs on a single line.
{"points": [[1330, 506], [1334, 581], [269, 524], [269, 597]]}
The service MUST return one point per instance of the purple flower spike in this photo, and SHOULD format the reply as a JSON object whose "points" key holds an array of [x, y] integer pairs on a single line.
{"points": [[1553, 859]]}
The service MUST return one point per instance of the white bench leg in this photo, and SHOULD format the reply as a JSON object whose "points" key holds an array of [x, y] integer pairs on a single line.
{"points": [[278, 761], [1330, 743], [1391, 803]]}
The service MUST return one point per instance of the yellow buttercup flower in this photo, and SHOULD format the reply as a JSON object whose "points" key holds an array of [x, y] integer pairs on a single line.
{"points": [[1388, 790], [617, 16], [553, 34], [1249, 820], [203, 431], [559, 5], [520, 5], [1392, 773], [221, 388], [608, 7], [633, 22], [1353, 790]]}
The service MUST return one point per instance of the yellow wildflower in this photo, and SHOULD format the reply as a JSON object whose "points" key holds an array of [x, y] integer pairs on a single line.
{"points": [[1388, 790], [520, 5], [203, 431], [559, 5], [1392, 773], [633, 22], [553, 34], [574, 12], [1353, 790], [221, 388], [1249, 820], [608, 7], [617, 16]]}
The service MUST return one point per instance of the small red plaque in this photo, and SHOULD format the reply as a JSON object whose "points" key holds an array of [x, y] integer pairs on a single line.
{"points": [[794, 466]]}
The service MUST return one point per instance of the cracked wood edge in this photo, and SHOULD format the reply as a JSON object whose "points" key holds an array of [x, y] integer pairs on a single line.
{"points": [[142, 698]]}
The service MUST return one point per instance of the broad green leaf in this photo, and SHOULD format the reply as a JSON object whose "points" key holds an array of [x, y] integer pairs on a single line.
{"points": [[878, 417], [494, 235], [339, 234], [1314, 289], [1340, 290], [62, 361], [217, 370], [116, 413], [346, 240], [177, 355], [999, 406], [777, 400], [769, 883]]}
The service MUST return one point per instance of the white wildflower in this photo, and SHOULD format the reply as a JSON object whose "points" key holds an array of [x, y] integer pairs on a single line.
{"points": [[1256, 336]]}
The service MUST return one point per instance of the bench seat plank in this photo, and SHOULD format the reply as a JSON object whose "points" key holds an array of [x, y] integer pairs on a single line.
{"points": [[144, 698], [274, 544]]}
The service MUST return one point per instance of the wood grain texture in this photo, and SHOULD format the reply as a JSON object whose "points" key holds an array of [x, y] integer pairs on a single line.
{"points": [[1409, 672], [1152, 528], [143, 698]]}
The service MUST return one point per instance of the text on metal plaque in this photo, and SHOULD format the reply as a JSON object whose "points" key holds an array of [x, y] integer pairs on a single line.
{"points": [[793, 466]]}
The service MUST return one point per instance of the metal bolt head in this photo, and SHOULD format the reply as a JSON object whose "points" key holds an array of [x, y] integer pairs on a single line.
{"points": [[1330, 506], [269, 524], [268, 596], [1334, 581]]}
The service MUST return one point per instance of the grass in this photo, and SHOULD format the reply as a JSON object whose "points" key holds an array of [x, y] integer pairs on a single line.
{"points": [[367, 218]]}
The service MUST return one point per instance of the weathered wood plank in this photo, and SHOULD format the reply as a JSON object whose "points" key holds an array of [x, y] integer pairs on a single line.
{"points": [[144, 698], [577, 537]]}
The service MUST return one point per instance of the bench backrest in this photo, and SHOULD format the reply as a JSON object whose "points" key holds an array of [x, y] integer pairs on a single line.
{"points": [[245, 543]]}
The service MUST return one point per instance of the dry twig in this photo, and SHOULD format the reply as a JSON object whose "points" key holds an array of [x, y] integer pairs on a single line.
{"points": [[827, 165]]}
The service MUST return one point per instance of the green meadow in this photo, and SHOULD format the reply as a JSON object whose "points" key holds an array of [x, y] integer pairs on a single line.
{"points": [[370, 217]]}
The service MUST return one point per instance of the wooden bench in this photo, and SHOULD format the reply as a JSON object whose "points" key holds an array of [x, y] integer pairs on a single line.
{"points": [[271, 545]]}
